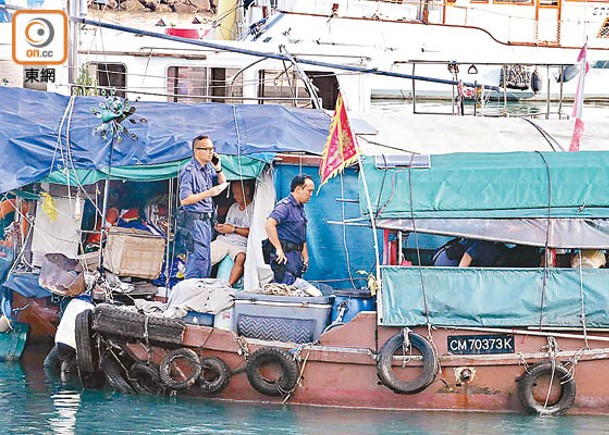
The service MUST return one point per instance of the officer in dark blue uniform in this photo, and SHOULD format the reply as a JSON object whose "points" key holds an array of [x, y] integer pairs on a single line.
{"points": [[286, 227], [197, 207]]}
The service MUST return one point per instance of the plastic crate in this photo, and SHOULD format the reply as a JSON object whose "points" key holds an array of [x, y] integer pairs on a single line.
{"points": [[281, 318]]}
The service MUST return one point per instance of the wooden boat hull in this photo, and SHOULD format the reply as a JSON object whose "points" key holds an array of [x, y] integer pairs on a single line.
{"points": [[40, 314], [341, 370]]}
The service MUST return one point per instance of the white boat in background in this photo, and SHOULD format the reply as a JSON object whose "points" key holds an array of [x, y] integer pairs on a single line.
{"points": [[478, 42]]}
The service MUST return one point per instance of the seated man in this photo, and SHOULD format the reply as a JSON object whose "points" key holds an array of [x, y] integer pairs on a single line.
{"points": [[234, 231], [465, 253]]}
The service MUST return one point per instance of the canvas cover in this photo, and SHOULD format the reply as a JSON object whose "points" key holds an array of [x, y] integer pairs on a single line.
{"points": [[555, 233], [494, 297], [492, 185], [44, 132]]}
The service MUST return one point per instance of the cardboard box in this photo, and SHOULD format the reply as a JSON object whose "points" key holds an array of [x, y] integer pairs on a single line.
{"points": [[135, 253]]}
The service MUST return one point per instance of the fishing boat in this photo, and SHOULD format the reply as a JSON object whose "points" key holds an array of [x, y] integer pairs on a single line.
{"points": [[408, 335], [505, 338]]}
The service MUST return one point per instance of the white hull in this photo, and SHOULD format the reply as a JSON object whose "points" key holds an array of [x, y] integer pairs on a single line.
{"points": [[376, 35]]}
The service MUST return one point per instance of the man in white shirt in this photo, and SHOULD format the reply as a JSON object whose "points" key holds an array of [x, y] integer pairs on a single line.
{"points": [[234, 232]]}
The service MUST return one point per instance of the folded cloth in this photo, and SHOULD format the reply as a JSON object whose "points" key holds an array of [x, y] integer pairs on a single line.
{"points": [[204, 295]]}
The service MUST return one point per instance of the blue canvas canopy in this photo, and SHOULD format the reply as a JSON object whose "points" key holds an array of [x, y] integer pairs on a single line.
{"points": [[510, 185], [44, 132], [537, 198]]}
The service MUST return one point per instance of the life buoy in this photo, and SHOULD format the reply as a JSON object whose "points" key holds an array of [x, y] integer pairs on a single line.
{"points": [[145, 378], [286, 379], [215, 375], [428, 370], [534, 399], [175, 376], [115, 375], [87, 357]]}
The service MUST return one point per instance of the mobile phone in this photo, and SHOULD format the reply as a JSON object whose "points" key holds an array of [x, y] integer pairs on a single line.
{"points": [[215, 159]]}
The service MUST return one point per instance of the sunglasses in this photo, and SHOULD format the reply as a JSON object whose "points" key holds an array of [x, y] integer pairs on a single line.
{"points": [[205, 149]]}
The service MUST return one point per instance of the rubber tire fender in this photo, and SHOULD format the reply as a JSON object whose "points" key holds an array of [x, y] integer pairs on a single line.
{"points": [[145, 378], [529, 379], [115, 375], [87, 354], [168, 361], [220, 375], [289, 367], [52, 362], [429, 370]]}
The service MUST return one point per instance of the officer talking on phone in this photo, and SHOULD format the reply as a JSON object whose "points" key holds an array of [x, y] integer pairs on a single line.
{"points": [[196, 211]]}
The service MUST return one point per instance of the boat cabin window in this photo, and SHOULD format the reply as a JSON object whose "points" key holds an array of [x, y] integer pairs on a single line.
{"points": [[108, 76], [327, 86], [283, 87], [193, 84]]}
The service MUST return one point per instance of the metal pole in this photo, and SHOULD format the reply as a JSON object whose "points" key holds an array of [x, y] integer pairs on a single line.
{"points": [[414, 91], [73, 7], [548, 94], [560, 97]]}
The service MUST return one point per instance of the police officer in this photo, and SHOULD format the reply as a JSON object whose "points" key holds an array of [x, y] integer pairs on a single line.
{"points": [[286, 227], [197, 207]]}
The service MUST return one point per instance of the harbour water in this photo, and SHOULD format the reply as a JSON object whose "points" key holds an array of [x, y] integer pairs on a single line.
{"points": [[33, 402]]}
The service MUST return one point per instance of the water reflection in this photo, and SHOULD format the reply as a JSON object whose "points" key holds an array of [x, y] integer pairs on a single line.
{"points": [[33, 404], [66, 403]]}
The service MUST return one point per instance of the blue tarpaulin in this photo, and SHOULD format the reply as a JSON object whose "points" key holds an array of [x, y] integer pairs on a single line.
{"points": [[44, 132]]}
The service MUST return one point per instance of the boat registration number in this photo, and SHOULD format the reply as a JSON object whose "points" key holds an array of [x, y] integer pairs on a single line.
{"points": [[480, 344]]}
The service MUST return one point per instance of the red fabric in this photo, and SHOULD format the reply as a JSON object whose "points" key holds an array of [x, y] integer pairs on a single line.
{"points": [[341, 146]]}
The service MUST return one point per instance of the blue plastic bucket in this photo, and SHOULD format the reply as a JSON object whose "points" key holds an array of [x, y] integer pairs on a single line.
{"points": [[349, 302]]}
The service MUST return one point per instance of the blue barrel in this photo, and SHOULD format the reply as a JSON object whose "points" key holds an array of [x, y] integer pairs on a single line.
{"points": [[350, 302]]}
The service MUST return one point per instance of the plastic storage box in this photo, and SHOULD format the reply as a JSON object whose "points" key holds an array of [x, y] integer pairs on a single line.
{"points": [[136, 253], [281, 318], [196, 318]]}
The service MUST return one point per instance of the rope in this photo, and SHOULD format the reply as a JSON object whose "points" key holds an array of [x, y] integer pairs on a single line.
{"points": [[547, 239], [414, 230], [243, 348], [581, 301], [553, 349], [289, 394]]}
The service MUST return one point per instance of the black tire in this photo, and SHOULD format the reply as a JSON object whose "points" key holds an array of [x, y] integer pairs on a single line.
{"points": [[214, 377], [145, 378], [167, 371], [114, 322], [115, 375], [428, 372], [529, 380], [52, 363], [86, 352], [272, 355]]}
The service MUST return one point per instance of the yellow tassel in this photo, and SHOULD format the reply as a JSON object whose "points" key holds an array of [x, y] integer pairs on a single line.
{"points": [[48, 206]]}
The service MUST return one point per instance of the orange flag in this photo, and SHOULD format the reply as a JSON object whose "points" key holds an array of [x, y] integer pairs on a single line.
{"points": [[341, 148]]}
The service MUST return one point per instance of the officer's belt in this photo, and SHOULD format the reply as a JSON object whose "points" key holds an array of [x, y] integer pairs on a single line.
{"points": [[289, 247], [200, 215]]}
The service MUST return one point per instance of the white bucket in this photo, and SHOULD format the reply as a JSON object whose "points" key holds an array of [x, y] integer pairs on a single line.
{"points": [[225, 319]]}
